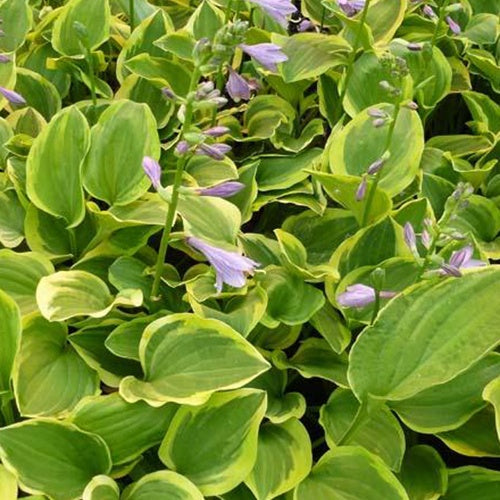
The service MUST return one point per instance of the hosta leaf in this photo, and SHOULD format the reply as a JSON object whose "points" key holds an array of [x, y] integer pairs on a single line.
{"points": [[215, 445], [360, 144], [350, 472], [491, 394], [472, 482], [67, 294], [8, 484], [11, 219], [476, 438], [425, 359], [311, 54], [101, 488], [53, 458], [94, 15], [10, 336], [16, 18], [162, 485], [50, 378], [449, 405], [423, 473], [185, 358], [125, 133], [122, 425], [381, 434], [284, 458], [54, 182], [20, 274]]}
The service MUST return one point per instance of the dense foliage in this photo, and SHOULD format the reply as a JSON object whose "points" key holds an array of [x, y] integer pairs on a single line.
{"points": [[247, 249]]}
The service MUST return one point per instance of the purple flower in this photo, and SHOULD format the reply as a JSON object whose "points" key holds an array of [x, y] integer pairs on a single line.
{"points": [[427, 10], [454, 27], [237, 87], [182, 148], [351, 7], [379, 122], [410, 237], [215, 151], [305, 25], [361, 191], [153, 170], [168, 93], [4, 58], [359, 295], [415, 47], [266, 54], [376, 166], [230, 267], [377, 113], [426, 239], [277, 9], [223, 190], [12, 96], [461, 259], [216, 131]]}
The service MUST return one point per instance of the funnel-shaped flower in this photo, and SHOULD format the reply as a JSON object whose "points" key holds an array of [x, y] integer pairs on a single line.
{"points": [[230, 267], [461, 259], [223, 190], [267, 54], [237, 87], [351, 7], [13, 97], [277, 9], [215, 151], [360, 295], [153, 170], [454, 26]]}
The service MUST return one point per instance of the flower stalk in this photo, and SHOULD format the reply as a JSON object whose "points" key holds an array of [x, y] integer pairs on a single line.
{"points": [[172, 208]]}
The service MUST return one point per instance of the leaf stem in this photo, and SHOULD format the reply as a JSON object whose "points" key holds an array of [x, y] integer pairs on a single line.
{"points": [[90, 62], [376, 306], [172, 208]]}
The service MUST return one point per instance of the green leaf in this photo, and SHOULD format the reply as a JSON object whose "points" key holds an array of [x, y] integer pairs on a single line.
{"points": [[127, 429], [290, 299], [423, 473], [447, 406], [482, 29], [215, 445], [311, 54], [10, 336], [125, 133], [20, 274], [124, 340], [491, 394], [241, 312], [53, 458], [67, 294], [350, 472], [472, 482], [284, 458], [342, 189], [360, 144], [328, 323], [315, 358], [380, 434], [8, 484], [101, 488], [205, 21], [425, 359], [16, 18], [484, 110], [210, 218], [11, 219], [281, 172], [54, 182], [50, 378], [94, 15], [162, 485], [384, 18], [476, 438], [186, 358]]}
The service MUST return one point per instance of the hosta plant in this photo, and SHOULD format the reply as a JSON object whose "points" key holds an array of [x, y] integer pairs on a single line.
{"points": [[248, 249]]}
